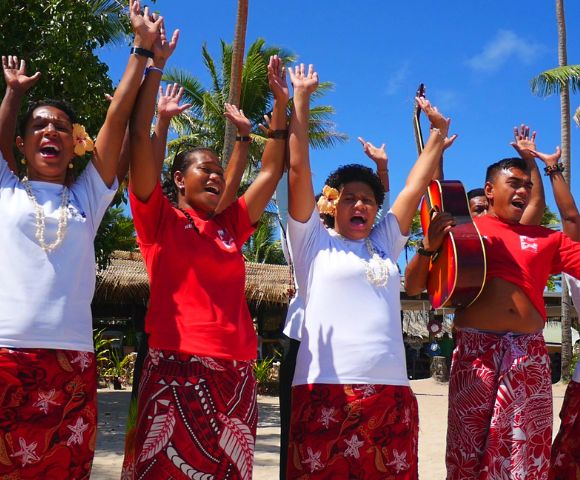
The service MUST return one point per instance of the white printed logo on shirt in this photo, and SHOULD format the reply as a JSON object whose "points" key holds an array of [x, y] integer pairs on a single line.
{"points": [[528, 243], [226, 238]]}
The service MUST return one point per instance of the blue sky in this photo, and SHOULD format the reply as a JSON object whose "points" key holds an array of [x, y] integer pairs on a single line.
{"points": [[476, 58]]}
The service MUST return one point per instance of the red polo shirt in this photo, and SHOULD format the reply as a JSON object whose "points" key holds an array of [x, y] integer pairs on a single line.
{"points": [[197, 278], [526, 255]]}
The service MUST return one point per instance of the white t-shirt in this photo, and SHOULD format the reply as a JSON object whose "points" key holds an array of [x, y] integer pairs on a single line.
{"points": [[574, 287], [352, 328], [295, 314], [45, 298]]}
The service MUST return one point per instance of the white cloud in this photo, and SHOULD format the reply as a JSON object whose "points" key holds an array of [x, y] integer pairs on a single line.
{"points": [[397, 80], [506, 46]]}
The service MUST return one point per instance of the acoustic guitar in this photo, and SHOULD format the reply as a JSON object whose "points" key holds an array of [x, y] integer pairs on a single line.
{"points": [[457, 271]]}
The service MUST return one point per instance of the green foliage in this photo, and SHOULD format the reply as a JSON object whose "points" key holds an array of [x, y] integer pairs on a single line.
{"points": [[551, 81], [549, 219], [204, 123], [262, 246], [57, 38], [102, 349], [415, 235], [573, 362], [116, 232], [263, 369]]}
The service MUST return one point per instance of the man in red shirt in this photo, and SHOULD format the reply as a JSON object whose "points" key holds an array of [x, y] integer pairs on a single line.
{"points": [[500, 402]]}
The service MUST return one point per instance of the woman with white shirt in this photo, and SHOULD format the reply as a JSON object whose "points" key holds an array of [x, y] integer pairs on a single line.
{"points": [[353, 412]]}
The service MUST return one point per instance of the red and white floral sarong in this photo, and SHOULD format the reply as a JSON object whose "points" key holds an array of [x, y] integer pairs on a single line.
{"points": [[565, 461], [197, 418], [353, 431], [48, 414], [500, 407]]}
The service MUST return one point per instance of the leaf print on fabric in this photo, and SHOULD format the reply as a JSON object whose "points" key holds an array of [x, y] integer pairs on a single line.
{"points": [[63, 361], [158, 435], [237, 443], [187, 469], [210, 363], [4, 459]]}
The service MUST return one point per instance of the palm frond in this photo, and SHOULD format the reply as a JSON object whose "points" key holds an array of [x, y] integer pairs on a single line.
{"points": [[551, 81], [193, 89], [113, 23], [210, 65]]}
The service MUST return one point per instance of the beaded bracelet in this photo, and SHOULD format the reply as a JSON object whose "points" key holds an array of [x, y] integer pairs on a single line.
{"points": [[549, 170]]}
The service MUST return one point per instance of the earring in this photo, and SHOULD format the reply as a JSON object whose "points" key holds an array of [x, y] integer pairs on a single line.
{"points": [[70, 165], [23, 160]]}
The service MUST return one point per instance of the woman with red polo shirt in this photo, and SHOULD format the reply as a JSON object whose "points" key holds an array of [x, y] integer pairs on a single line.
{"points": [[197, 410]]}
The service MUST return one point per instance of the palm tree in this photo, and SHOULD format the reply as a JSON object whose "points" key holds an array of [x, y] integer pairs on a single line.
{"points": [[204, 124], [262, 247], [560, 80], [236, 73]]}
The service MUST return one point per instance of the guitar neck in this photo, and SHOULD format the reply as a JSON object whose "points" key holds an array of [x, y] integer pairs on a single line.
{"points": [[417, 130], [417, 121]]}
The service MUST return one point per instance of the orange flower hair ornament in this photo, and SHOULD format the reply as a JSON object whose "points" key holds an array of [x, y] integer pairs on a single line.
{"points": [[328, 200], [82, 141]]}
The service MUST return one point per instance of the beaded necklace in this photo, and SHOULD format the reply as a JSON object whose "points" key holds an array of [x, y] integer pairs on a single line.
{"points": [[376, 268], [189, 219], [41, 218]]}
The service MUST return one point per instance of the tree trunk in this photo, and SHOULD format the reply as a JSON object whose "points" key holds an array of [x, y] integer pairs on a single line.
{"points": [[236, 76], [565, 134]]}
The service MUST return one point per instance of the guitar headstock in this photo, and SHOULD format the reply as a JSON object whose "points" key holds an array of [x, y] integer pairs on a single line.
{"points": [[420, 94]]}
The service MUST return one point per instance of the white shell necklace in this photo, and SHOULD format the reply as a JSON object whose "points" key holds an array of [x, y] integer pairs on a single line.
{"points": [[41, 218], [376, 268]]}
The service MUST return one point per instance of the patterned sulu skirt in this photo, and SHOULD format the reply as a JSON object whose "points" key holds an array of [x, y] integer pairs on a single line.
{"points": [[196, 418]]}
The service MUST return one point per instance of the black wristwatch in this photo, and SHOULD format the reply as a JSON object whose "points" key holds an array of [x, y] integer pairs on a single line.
{"points": [[426, 253]]}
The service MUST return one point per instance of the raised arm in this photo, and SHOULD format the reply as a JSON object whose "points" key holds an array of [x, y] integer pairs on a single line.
{"points": [[17, 84], [379, 156], [239, 159], [110, 138], [418, 268], [262, 188], [147, 161], [421, 174], [564, 199], [301, 192], [524, 143]]}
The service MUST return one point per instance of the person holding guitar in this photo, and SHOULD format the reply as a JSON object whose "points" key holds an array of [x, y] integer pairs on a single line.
{"points": [[353, 412], [500, 404]]}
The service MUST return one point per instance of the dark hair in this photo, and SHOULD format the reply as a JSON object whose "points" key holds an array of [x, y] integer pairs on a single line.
{"points": [[60, 104], [181, 162], [476, 192], [504, 164], [354, 173]]}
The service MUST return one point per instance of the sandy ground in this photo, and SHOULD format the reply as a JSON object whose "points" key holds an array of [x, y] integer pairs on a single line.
{"points": [[432, 398]]}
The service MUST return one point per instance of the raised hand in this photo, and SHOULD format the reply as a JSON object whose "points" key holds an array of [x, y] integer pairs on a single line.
{"points": [[277, 79], [376, 154], [265, 127], [15, 74], [146, 26], [435, 117], [441, 223], [163, 49], [524, 143], [237, 117], [449, 141], [548, 159], [168, 102], [304, 81]]}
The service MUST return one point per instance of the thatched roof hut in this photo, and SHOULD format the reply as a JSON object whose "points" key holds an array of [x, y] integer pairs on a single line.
{"points": [[125, 281]]}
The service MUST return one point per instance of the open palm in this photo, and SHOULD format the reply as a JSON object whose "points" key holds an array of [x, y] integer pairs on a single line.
{"points": [[15, 74]]}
